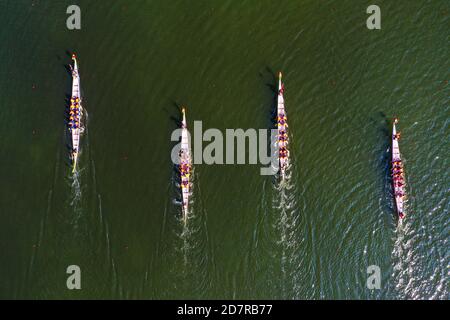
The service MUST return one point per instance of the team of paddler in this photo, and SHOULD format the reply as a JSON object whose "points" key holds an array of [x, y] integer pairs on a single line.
{"points": [[74, 113], [282, 135], [397, 173], [185, 171]]}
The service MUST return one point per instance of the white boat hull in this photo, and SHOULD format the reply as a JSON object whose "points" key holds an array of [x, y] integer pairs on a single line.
{"points": [[185, 159], [283, 162], [396, 156], [76, 133]]}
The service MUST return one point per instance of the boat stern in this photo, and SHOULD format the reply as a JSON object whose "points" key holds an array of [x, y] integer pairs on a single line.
{"points": [[185, 211], [74, 161]]}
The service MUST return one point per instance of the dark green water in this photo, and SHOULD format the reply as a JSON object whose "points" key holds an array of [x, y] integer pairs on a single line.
{"points": [[246, 236]]}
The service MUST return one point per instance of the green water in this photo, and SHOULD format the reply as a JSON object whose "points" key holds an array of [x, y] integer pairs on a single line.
{"points": [[247, 237]]}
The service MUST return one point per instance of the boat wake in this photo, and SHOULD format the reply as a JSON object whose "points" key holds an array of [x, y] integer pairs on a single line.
{"points": [[279, 220], [403, 262], [45, 217], [76, 179], [189, 254], [420, 268], [287, 228]]}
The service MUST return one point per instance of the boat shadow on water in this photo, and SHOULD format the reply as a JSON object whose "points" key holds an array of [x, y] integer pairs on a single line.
{"points": [[174, 115]]}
